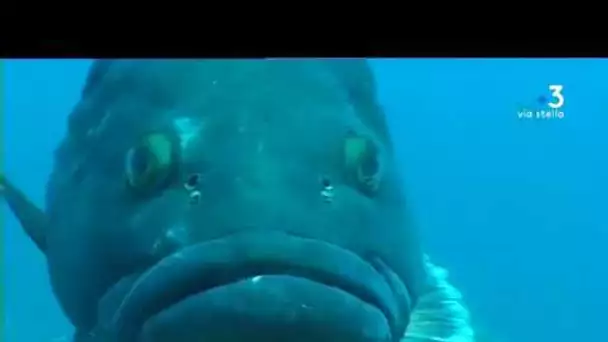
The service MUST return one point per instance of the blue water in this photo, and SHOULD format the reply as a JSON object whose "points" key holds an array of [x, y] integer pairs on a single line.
{"points": [[516, 209]]}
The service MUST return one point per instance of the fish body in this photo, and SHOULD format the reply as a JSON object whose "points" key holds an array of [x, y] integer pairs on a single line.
{"points": [[233, 200]]}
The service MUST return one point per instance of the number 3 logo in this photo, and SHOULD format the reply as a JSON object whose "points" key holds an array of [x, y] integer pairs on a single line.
{"points": [[556, 92]]}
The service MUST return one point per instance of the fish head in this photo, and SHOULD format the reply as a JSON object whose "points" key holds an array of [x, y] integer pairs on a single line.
{"points": [[230, 200]]}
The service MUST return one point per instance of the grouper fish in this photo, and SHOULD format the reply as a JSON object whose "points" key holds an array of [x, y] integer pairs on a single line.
{"points": [[235, 200]]}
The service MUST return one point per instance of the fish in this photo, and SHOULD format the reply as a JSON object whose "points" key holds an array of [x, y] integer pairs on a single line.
{"points": [[235, 200]]}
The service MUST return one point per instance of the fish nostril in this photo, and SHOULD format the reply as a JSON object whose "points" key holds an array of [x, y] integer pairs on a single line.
{"points": [[327, 191], [195, 197], [192, 181], [325, 182], [191, 185]]}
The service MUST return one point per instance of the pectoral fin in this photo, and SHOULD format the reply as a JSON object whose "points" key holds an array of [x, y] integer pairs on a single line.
{"points": [[440, 314], [33, 220]]}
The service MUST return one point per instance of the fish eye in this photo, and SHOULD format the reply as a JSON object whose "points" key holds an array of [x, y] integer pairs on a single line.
{"points": [[149, 164], [362, 162]]}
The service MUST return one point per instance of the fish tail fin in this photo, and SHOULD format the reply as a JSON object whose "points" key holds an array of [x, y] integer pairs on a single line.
{"points": [[440, 314]]}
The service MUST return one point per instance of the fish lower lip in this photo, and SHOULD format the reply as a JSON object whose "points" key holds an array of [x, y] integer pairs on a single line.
{"points": [[200, 268]]}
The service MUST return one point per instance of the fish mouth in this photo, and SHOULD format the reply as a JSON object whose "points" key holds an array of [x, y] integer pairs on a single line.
{"points": [[266, 286]]}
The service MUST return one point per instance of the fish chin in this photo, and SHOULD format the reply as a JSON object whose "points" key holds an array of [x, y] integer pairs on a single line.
{"points": [[257, 287]]}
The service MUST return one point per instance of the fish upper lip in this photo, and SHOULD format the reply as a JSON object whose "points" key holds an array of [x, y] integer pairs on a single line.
{"points": [[201, 267]]}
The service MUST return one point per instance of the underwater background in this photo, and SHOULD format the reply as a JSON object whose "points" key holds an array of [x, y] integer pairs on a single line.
{"points": [[515, 208]]}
